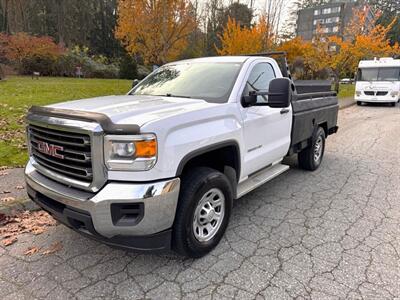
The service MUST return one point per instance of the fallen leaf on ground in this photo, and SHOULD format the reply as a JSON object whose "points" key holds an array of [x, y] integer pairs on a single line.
{"points": [[38, 230], [35, 222], [9, 241], [3, 173], [7, 199], [6, 192], [57, 246], [31, 250], [2, 168], [19, 187]]}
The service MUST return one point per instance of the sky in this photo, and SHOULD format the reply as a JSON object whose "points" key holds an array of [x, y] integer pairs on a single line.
{"points": [[259, 6]]}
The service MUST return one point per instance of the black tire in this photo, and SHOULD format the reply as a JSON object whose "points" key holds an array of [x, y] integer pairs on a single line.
{"points": [[194, 186], [359, 103], [307, 159]]}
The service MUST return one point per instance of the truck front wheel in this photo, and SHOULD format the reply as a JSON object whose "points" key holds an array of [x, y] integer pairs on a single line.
{"points": [[203, 212], [311, 157]]}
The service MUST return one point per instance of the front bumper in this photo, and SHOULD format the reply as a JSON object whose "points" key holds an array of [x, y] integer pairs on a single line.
{"points": [[376, 99], [132, 215]]}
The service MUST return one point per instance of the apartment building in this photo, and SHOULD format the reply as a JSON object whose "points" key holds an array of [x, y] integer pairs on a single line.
{"points": [[331, 18]]}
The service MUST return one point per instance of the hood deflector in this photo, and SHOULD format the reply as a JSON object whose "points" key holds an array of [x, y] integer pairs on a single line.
{"points": [[102, 119]]}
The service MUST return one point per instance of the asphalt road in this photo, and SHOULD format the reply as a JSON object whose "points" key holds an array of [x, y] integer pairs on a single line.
{"points": [[334, 233]]}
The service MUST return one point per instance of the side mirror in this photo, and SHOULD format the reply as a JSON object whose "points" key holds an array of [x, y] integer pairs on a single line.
{"points": [[280, 92], [135, 82], [249, 100]]}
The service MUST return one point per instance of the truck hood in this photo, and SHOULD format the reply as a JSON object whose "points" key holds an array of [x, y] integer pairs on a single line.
{"points": [[138, 110]]}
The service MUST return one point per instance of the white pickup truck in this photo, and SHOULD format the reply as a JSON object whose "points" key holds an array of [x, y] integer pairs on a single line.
{"points": [[160, 167]]}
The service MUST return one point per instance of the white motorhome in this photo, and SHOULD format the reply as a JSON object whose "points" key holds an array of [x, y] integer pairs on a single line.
{"points": [[378, 81]]}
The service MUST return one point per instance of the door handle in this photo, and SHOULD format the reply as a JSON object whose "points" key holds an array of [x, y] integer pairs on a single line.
{"points": [[284, 111]]}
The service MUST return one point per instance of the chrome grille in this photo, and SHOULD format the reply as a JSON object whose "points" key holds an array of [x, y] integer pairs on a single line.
{"points": [[73, 157], [381, 93], [376, 93]]}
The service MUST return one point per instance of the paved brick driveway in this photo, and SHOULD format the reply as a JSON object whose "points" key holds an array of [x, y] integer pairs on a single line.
{"points": [[334, 233]]}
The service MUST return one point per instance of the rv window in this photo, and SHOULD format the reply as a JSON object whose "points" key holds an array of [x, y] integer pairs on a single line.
{"points": [[389, 74], [370, 74], [379, 74]]}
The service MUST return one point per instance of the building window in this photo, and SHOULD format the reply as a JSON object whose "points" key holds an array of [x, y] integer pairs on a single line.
{"points": [[321, 30], [332, 20], [319, 21], [317, 12], [326, 11], [330, 10]]}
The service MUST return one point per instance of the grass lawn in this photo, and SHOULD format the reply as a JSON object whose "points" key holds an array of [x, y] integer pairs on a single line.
{"points": [[19, 93], [346, 91]]}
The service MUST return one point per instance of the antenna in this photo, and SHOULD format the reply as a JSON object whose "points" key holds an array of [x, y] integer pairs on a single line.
{"points": [[281, 60]]}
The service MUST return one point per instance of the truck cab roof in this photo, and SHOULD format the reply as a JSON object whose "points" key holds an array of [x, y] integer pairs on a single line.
{"points": [[220, 59]]}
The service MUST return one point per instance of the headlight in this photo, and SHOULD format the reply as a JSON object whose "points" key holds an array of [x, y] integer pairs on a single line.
{"points": [[394, 93], [130, 152], [358, 93]]}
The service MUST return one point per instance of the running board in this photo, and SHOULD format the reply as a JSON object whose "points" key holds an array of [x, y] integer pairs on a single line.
{"points": [[259, 178]]}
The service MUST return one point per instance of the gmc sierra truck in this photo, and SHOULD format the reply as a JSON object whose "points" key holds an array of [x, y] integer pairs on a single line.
{"points": [[160, 167]]}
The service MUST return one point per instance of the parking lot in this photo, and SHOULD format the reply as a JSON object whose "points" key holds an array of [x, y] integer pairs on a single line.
{"points": [[333, 233]]}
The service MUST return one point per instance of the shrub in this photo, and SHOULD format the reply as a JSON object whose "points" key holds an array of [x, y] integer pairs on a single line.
{"points": [[99, 70], [37, 63], [67, 64], [30, 53], [128, 68], [2, 74]]}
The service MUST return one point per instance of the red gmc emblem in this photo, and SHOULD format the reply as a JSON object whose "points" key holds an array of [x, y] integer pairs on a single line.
{"points": [[50, 149]]}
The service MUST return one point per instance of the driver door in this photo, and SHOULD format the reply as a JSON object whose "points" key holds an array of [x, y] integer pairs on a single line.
{"points": [[266, 130]]}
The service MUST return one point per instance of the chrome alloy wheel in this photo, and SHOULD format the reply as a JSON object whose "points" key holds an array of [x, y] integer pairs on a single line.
{"points": [[209, 215], [318, 149]]}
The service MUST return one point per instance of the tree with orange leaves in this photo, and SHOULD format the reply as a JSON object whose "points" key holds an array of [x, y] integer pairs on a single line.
{"points": [[359, 23], [157, 30], [236, 39], [307, 59], [21, 46]]}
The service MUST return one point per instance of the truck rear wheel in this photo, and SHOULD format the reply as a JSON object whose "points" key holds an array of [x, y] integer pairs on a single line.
{"points": [[311, 157], [203, 212]]}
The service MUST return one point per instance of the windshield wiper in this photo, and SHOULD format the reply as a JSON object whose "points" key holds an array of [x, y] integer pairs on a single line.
{"points": [[171, 95]]}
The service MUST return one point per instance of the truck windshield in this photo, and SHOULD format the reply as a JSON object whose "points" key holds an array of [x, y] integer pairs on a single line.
{"points": [[379, 74], [212, 82]]}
